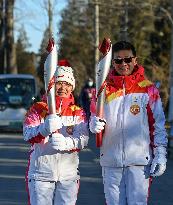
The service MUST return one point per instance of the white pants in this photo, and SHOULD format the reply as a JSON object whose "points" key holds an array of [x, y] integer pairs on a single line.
{"points": [[126, 186], [53, 193]]}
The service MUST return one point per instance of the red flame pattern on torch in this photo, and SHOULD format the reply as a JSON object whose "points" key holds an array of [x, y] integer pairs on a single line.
{"points": [[50, 45], [50, 85], [102, 71], [101, 88], [105, 46]]}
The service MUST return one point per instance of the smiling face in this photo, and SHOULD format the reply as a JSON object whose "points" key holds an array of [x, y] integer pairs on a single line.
{"points": [[124, 62], [63, 89]]}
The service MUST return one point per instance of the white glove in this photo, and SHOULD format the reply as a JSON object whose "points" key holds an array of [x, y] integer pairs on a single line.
{"points": [[61, 143], [158, 165], [52, 123], [96, 124]]}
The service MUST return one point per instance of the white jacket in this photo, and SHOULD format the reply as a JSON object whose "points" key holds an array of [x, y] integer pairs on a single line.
{"points": [[135, 121], [46, 163]]}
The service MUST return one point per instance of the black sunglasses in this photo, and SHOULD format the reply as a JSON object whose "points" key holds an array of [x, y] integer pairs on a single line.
{"points": [[120, 60]]}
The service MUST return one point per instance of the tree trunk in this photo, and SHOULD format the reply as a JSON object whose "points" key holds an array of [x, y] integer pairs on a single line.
{"points": [[10, 53], [50, 17], [1, 36]]}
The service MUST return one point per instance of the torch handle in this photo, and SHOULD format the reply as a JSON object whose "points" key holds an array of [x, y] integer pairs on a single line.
{"points": [[51, 103], [100, 105], [99, 139]]}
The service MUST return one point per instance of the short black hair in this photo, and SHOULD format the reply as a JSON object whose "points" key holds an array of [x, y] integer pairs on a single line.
{"points": [[123, 45]]}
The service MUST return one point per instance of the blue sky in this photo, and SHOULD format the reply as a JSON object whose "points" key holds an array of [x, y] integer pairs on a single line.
{"points": [[32, 16]]}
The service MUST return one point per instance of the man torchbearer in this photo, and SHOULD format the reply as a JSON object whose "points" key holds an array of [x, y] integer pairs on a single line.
{"points": [[134, 139]]}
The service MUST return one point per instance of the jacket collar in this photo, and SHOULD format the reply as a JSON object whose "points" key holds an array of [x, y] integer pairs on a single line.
{"points": [[127, 81], [61, 103]]}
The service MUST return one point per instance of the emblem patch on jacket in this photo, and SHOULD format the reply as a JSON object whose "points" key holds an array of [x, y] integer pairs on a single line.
{"points": [[135, 109]]}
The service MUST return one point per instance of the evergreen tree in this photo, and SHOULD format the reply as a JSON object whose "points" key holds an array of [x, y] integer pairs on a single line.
{"points": [[25, 59], [160, 39], [147, 27], [76, 41], [42, 55]]}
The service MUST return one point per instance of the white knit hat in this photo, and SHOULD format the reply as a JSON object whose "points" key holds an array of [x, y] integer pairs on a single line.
{"points": [[65, 73]]}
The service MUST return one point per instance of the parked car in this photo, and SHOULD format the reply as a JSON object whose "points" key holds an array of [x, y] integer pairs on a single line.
{"points": [[17, 92]]}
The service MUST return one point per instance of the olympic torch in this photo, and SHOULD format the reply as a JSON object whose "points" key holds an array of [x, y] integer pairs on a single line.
{"points": [[101, 74], [49, 78]]}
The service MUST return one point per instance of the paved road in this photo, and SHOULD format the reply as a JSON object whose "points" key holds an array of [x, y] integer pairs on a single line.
{"points": [[161, 190], [91, 189], [13, 155], [13, 162]]}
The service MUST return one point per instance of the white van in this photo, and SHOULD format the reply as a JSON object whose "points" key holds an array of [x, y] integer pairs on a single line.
{"points": [[17, 92]]}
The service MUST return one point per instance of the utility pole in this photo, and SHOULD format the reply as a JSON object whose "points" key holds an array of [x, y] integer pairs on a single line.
{"points": [[4, 39], [126, 4], [96, 25], [170, 114], [124, 24]]}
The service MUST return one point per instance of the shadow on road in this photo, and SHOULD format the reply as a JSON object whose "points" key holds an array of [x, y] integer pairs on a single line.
{"points": [[13, 162], [91, 187]]}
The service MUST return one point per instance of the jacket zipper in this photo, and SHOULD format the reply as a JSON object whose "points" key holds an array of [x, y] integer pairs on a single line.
{"points": [[122, 123], [60, 108], [58, 155]]}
